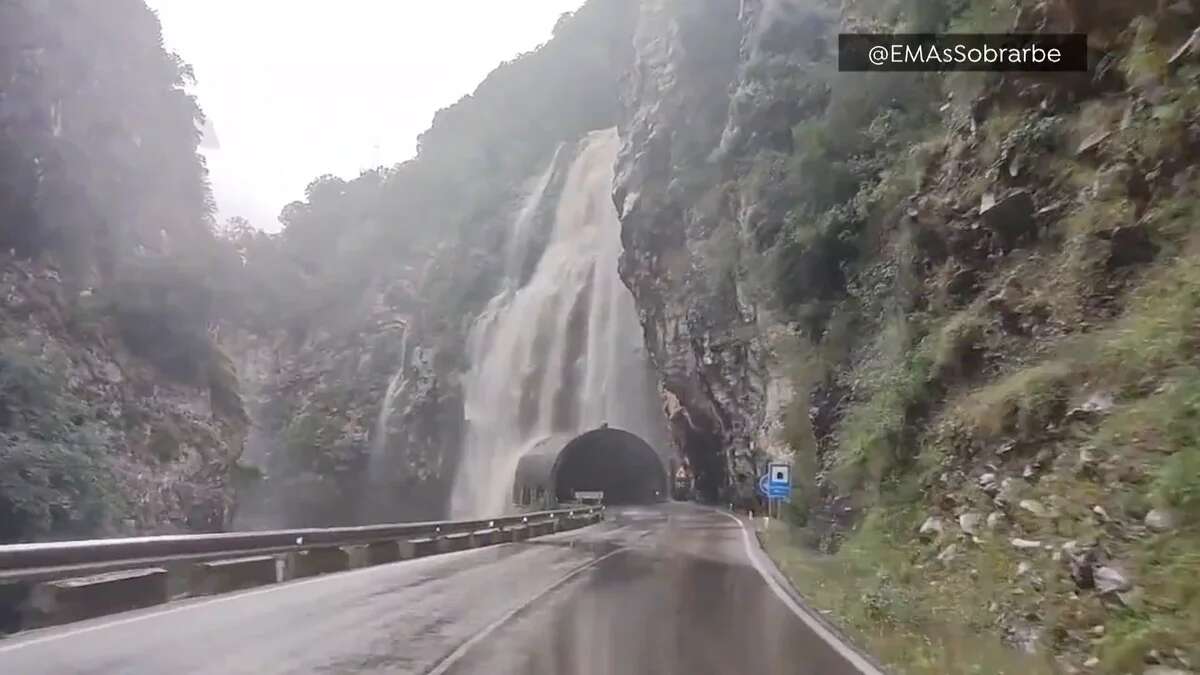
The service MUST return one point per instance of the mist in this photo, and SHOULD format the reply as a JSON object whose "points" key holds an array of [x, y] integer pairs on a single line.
{"points": [[295, 90]]}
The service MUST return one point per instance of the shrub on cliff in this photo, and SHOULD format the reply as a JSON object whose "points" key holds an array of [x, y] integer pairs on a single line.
{"points": [[55, 472]]}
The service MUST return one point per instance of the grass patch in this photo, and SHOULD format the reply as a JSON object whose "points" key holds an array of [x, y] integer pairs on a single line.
{"points": [[1159, 329], [1145, 64], [1022, 403], [953, 349], [874, 440], [1167, 617], [1173, 220], [1164, 430], [1156, 334], [907, 611], [1100, 216]]}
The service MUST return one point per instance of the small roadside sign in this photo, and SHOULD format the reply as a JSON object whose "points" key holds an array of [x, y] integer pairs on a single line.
{"points": [[780, 474], [776, 484]]}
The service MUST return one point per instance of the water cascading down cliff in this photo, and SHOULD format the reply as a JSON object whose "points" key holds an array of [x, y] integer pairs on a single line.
{"points": [[562, 353]]}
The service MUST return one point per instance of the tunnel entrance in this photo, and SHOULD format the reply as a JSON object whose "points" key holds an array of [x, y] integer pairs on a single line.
{"points": [[620, 464]]}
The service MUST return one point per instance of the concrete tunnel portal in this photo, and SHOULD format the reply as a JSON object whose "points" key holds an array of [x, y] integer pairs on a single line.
{"points": [[613, 461]]}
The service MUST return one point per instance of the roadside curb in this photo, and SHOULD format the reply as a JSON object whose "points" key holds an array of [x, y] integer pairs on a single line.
{"points": [[854, 654], [816, 615]]}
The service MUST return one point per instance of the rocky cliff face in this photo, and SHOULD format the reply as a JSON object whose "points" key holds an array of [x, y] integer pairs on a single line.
{"points": [[372, 288], [713, 85], [95, 439], [117, 412], [670, 203], [323, 448], [953, 301]]}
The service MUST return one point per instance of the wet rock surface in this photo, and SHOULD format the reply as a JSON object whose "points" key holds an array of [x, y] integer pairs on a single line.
{"points": [[142, 452]]}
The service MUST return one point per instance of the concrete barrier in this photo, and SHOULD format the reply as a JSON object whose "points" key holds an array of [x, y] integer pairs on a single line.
{"points": [[66, 600], [357, 555], [488, 537], [517, 532], [320, 561], [14, 600], [423, 546], [457, 542], [220, 576], [37, 587], [383, 552]]}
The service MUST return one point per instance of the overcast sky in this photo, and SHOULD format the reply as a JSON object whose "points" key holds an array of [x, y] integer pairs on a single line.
{"points": [[298, 88]]}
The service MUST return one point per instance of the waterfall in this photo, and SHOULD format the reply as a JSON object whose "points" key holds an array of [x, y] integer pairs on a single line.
{"points": [[562, 353], [395, 388]]}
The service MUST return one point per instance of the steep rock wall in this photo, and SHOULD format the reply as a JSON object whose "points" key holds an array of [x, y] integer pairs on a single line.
{"points": [[95, 439], [706, 93]]}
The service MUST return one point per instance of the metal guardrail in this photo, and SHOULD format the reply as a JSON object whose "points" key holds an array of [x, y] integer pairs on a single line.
{"points": [[56, 560]]}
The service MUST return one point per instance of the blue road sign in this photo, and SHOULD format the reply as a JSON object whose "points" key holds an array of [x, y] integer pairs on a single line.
{"points": [[773, 490]]}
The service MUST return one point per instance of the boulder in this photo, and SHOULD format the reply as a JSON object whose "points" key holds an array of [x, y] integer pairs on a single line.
{"points": [[1165, 670], [969, 522], [932, 528], [1111, 580], [1035, 507], [948, 554], [1130, 245], [1010, 217], [1161, 520], [994, 520], [1082, 566]]}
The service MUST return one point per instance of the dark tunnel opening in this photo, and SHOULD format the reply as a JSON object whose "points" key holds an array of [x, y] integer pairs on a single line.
{"points": [[615, 462], [704, 453]]}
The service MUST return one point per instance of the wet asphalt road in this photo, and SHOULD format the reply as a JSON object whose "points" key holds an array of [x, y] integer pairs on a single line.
{"points": [[656, 590]]}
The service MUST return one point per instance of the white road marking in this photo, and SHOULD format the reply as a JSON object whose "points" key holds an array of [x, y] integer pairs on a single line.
{"points": [[846, 652], [462, 650]]}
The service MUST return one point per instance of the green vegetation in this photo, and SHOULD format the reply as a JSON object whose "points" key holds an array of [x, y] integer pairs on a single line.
{"points": [[876, 438], [1051, 384], [918, 618], [837, 183], [440, 209], [56, 475], [107, 231]]}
